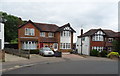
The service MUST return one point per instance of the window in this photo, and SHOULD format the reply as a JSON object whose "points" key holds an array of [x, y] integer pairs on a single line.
{"points": [[29, 31], [50, 34], [55, 46], [65, 33], [110, 39], [98, 36], [97, 48], [42, 34], [65, 46], [29, 45], [83, 38]]}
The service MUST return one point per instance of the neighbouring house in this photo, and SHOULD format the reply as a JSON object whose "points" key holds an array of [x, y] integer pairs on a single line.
{"points": [[32, 36], [98, 39], [1, 33]]}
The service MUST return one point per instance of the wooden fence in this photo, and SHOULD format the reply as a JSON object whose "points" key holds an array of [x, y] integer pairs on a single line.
{"points": [[20, 53], [2, 55]]}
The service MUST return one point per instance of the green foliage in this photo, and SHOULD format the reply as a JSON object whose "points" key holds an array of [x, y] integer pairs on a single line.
{"points": [[94, 52], [116, 46], [11, 26], [14, 41], [113, 54], [103, 53]]}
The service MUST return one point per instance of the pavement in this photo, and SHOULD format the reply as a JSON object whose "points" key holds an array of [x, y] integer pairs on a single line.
{"points": [[15, 62]]}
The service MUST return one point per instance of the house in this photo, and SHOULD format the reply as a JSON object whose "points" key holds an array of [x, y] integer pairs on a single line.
{"points": [[32, 36], [98, 39], [1, 33]]}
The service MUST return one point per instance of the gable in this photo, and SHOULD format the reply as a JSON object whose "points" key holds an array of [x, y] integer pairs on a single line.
{"points": [[66, 27], [99, 32]]}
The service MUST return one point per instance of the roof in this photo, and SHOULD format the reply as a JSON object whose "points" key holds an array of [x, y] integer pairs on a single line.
{"points": [[48, 27], [91, 32], [117, 34], [48, 40]]}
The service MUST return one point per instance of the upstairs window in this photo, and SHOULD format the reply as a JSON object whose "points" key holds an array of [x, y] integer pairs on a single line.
{"points": [[98, 36], [29, 31], [42, 34], [50, 34], [110, 39], [65, 33]]}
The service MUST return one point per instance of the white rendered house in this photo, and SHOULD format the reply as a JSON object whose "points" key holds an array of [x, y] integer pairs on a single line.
{"points": [[1, 35]]}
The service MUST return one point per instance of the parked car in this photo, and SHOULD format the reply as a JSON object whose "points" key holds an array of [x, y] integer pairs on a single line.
{"points": [[46, 51]]}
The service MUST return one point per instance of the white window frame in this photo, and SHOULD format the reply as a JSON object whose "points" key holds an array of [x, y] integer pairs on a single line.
{"points": [[30, 31], [110, 39], [65, 45], [50, 34], [42, 34]]}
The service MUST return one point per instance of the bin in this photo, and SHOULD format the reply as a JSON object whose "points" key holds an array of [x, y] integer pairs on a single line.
{"points": [[58, 54]]}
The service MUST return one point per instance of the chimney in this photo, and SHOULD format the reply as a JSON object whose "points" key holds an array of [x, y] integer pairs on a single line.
{"points": [[81, 32]]}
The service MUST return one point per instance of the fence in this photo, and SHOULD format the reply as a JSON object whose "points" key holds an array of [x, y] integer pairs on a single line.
{"points": [[21, 53], [15, 46], [2, 55]]}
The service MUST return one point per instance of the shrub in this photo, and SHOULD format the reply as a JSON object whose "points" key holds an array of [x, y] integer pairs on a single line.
{"points": [[103, 53], [94, 52], [111, 54]]}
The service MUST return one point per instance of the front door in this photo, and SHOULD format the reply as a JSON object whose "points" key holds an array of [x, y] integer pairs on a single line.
{"points": [[41, 45]]}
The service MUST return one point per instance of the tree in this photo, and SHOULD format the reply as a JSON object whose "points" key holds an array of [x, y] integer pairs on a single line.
{"points": [[11, 26], [116, 45]]}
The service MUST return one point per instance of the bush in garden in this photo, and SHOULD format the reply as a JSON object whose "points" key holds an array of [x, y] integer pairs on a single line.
{"points": [[94, 52], [103, 53], [113, 54]]}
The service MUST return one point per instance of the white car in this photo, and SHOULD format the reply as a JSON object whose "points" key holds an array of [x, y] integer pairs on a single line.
{"points": [[46, 51]]}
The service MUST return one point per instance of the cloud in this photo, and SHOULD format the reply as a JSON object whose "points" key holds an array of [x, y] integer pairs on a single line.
{"points": [[88, 13]]}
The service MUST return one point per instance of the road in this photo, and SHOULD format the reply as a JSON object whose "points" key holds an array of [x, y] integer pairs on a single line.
{"points": [[70, 67]]}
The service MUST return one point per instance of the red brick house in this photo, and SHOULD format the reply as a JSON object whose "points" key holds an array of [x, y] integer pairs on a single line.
{"points": [[32, 35], [98, 39]]}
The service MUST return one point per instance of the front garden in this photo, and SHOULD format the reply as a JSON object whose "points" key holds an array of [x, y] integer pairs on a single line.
{"points": [[104, 53]]}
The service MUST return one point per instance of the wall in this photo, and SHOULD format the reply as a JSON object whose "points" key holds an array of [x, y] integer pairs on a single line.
{"points": [[2, 35], [85, 46], [21, 33]]}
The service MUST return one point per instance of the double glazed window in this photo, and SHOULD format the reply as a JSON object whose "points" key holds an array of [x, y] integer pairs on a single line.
{"points": [[110, 39], [29, 31], [29, 45], [42, 34], [98, 36], [97, 48], [50, 34], [65, 46], [65, 33]]}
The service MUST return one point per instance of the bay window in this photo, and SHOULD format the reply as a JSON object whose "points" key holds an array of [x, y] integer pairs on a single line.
{"points": [[65, 46]]}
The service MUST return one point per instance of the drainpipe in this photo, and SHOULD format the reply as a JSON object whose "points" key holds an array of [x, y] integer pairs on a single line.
{"points": [[81, 39]]}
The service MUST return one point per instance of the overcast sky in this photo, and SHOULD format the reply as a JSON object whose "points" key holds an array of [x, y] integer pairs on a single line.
{"points": [[90, 14]]}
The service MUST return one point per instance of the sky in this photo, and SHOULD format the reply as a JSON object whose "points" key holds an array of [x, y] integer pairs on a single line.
{"points": [[85, 14]]}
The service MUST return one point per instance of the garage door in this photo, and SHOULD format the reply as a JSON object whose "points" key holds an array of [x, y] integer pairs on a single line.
{"points": [[0, 44]]}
